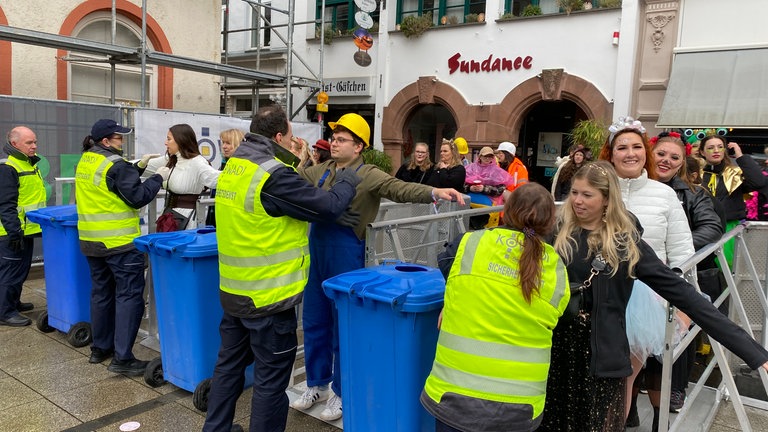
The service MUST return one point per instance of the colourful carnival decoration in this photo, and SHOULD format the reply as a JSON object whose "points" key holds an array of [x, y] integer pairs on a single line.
{"points": [[363, 39], [693, 135]]}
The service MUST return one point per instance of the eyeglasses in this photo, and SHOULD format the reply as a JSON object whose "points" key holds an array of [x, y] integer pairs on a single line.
{"points": [[487, 156], [341, 140]]}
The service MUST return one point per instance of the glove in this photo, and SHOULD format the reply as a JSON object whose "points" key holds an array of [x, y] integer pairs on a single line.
{"points": [[16, 241], [146, 158], [349, 218], [349, 176], [164, 172]]}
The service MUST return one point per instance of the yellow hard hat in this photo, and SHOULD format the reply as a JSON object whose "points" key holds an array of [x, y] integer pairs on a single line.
{"points": [[461, 145], [356, 124]]}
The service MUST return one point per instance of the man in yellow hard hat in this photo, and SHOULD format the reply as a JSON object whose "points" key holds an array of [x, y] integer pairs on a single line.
{"points": [[340, 247]]}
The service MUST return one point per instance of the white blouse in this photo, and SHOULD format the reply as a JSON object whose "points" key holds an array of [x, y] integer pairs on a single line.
{"points": [[189, 176]]}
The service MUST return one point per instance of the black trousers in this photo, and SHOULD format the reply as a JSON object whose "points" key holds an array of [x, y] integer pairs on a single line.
{"points": [[117, 301], [14, 269], [270, 344]]}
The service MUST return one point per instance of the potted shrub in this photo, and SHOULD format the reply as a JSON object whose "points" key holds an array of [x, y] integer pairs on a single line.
{"points": [[531, 10], [591, 134], [378, 158], [470, 18], [610, 3], [570, 5], [414, 26]]}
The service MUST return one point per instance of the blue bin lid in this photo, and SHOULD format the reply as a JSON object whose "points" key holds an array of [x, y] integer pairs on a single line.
{"points": [[185, 244], [65, 215], [405, 287]]}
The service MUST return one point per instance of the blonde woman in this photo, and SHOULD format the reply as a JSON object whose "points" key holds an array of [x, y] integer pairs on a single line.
{"points": [[230, 141], [449, 171], [419, 168]]}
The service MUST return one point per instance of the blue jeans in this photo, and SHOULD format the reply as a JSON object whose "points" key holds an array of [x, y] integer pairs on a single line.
{"points": [[14, 269], [271, 342], [334, 250], [117, 301]]}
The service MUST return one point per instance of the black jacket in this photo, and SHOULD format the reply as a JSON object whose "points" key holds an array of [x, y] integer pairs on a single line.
{"points": [[415, 175], [9, 190], [448, 177], [610, 348], [752, 179]]}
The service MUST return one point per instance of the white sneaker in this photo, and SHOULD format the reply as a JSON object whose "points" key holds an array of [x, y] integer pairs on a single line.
{"points": [[332, 409], [311, 396]]}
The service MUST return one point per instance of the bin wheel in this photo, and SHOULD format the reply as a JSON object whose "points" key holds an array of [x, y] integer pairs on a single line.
{"points": [[153, 375], [42, 323], [79, 335], [200, 396]]}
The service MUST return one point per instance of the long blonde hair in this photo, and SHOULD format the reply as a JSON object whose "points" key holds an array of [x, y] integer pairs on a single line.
{"points": [[455, 156], [617, 237]]}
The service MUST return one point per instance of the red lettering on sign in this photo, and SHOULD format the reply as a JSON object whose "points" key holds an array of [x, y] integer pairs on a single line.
{"points": [[490, 64]]}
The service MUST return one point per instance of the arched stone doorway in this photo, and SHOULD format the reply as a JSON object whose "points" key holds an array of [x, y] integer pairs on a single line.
{"points": [[491, 124]]}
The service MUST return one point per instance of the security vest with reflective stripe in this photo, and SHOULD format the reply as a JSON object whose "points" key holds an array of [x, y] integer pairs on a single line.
{"points": [[493, 351], [101, 215], [31, 193], [263, 260]]}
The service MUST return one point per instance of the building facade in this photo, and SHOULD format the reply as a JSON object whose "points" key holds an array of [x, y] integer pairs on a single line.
{"points": [[183, 28]]}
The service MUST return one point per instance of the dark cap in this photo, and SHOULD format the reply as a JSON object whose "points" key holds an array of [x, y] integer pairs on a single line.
{"points": [[105, 128], [322, 144]]}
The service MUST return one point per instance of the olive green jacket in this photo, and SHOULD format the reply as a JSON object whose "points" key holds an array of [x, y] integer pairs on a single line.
{"points": [[375, 185]]}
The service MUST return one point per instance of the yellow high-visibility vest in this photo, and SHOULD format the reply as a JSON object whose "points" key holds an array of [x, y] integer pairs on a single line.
{"points": [[31, 193], [263, 260], [101, 215], [493, 346]]}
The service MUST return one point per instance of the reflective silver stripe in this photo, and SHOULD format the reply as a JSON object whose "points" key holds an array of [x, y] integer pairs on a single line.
{"points": [[263, 284], [250, 194], [261, 261], [470, 247], [112, 232], [271, 165], [560, 286], [106, 216], [494, 350], [34, 206], [486, 384], [100, 171]]}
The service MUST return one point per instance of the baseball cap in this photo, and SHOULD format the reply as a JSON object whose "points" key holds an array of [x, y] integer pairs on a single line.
{"points": [[107, 127], [486, 151]]}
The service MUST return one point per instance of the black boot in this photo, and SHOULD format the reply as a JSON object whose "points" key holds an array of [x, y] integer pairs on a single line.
{"points": [[633, 419], [655, 424]]}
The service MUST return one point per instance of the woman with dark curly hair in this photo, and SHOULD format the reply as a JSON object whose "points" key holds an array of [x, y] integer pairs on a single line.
{"points": [[578, 157]]}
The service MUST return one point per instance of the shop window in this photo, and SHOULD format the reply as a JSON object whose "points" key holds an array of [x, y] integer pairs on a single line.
{"points": [[516, 7], [340, 15], [91, 76], [443, 11]]}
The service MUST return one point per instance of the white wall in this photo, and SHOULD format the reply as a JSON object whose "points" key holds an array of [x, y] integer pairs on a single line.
{"points": [[719, 23]]}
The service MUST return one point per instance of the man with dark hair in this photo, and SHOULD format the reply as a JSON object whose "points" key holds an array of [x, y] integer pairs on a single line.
{"points": [[262, 210], [21, 190]]}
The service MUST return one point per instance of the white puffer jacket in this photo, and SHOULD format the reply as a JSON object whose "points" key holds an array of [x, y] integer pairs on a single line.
{"points": [[662, 216]]}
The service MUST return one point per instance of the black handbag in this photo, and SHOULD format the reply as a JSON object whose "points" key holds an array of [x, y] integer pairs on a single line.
{"points": [[576, 309]]}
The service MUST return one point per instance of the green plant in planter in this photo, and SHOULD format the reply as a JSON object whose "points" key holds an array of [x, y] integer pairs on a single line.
{"points": [[591, 134], [531, 10], [570, 5], [414, 26], [506, 16], [378, 158], [470, 18], [328, 34], [610, 3]]}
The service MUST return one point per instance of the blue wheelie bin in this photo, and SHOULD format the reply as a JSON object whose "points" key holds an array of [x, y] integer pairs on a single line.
{"points": [[67, 275], [185, 275], [387, 339]]}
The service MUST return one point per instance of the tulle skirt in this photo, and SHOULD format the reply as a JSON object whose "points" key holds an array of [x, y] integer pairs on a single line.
{"points": [[646, 318]]}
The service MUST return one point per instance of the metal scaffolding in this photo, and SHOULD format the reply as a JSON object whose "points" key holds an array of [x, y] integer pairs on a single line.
{"points": [[250, 78]]}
